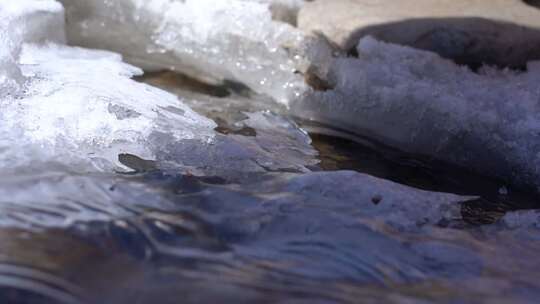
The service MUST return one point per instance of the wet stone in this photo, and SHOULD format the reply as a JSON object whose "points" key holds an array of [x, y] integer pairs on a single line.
{"points": [[467, 31]]}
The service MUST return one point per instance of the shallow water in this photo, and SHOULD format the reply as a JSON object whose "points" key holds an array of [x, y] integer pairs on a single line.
{"points": [[496, 198], [287, 228]]}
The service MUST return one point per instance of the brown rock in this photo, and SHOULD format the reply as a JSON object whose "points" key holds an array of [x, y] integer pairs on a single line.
{"points": [[498, 32]]}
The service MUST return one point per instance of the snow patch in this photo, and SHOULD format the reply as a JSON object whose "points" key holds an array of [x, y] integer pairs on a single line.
{"points": [[423, 104]]}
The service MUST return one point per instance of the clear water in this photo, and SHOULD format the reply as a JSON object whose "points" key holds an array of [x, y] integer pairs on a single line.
{"points": [[160, 234]]}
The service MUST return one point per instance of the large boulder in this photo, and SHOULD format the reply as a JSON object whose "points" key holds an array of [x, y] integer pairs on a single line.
{"points": [[499, 32]]}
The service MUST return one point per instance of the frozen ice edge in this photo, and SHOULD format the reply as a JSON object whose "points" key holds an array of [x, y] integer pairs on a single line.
{"points": [[77, 106]]}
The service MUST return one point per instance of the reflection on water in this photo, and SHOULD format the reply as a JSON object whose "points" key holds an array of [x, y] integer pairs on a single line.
{"points": [[272, 226]]}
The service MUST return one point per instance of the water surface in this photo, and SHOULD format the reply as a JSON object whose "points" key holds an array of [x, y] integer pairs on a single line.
{"points": [[297, 219]]}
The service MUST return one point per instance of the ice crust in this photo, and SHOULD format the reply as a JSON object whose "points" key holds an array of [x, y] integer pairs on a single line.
{"points": [[59, 199], [420, 103], [77, 106], [236, 40], [85, 103], [47, 24], [79, 109]]}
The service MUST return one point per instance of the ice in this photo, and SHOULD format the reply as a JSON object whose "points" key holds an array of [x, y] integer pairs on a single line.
{"points": [[284, 10], [373, 200], [76, 106], [10, 75], [255, 134], [60, 199], [79, 109], [33, 21], [29, 21], [275, 145], [82, 104], [418, 102], [212, 40]]}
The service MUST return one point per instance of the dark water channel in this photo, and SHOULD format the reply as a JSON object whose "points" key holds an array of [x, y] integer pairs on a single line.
{"points": [[495, 196], [280, 235]]}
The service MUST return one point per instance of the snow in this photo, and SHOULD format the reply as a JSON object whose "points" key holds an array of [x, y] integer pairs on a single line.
{"points": [[212, 40], [420, 103]]}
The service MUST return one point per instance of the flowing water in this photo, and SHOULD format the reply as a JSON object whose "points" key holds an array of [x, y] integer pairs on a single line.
{"points": [[285, 234]]}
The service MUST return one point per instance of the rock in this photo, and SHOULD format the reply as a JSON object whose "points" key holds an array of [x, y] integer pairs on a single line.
{"points": [[499, 32], [284, 10]]}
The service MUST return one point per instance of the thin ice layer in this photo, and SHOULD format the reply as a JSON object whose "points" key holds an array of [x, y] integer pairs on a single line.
{"points": [[226, 39], [81, 104], [423, 104], [253, 138], [264, 142]]}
